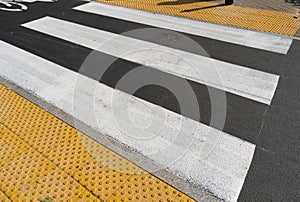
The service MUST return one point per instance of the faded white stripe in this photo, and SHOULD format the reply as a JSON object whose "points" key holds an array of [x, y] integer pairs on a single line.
{"points": [[239, 80], [259, 40]]}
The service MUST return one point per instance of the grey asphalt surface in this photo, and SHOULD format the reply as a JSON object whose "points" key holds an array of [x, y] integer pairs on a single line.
{"points": [[275, 130]]}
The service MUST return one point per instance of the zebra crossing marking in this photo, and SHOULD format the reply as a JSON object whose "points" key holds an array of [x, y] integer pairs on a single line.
{"points": [[264, 41], [222, 172], [246, 82]]}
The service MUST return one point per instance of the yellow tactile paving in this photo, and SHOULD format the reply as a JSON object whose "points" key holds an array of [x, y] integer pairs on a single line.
{"points": [[3, 197], [26, 175], [101, 171], [243, 17]]}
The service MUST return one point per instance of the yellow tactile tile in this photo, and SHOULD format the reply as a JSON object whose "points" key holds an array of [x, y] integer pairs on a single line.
{"points": [[26, 175], [3, 197], [101, 171], [243, 17], [147, 188]]}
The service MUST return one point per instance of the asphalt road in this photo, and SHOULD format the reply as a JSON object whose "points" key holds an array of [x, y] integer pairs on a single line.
{"points": [[274, 128]]}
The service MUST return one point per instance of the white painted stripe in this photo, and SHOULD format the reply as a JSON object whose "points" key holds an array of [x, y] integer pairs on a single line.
{"points": [[239, 80], [223, 171], [259, 40]]}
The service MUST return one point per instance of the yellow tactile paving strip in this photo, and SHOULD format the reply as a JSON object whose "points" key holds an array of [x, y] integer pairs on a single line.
{"points": [[243, 17], [4, 198], [27, 175], [41, 157]]}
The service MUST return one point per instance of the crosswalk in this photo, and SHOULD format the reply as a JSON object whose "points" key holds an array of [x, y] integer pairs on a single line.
{"points": [[246, 82], [214, 157], [274, 43]]}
